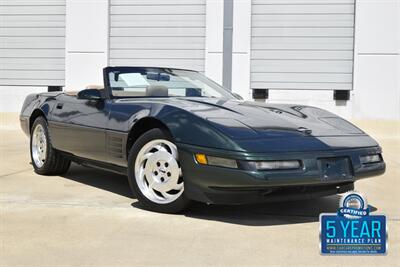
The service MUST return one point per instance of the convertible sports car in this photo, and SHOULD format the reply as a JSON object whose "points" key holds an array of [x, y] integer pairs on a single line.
{"points": [[178, 137]]}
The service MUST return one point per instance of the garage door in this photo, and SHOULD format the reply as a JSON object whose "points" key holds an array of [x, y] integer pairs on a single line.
{"points": [[168, 33], [302, 44], [32, 42]]}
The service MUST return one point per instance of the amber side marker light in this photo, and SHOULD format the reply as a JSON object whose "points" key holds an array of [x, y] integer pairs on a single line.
{"points": [[216, 161], [201, 159]]}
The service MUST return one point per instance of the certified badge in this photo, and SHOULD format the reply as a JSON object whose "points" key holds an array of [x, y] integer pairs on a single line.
{"points": [[352, 230]]}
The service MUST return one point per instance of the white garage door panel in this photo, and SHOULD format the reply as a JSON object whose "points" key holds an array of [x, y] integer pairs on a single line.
{"points": [[27, 53], [303, 32], [193, 64], [156, 9], [31, 31], [162, 21], [300, 66], [303, 9], [30, 74], [30, 82], [303, 2], [32, 64], [301, 54], [30, 2], [174, 54], [300, 44], [157, 32], [157, 2], [32, 42], [303, 86], [194, 43], [302, 77], [33, 21], [289, 20], [34, 9], [168, 33]]}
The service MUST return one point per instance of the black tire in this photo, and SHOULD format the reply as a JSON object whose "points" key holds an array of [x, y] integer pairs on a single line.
{"points": [[54, 163], [178, 205]]}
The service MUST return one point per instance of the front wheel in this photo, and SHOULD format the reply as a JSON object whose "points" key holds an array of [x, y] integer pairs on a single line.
{"points": [[154, 173]]}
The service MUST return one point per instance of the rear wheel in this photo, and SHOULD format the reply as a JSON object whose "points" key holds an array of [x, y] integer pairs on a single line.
{"points": [[155, 174], [45, 159]]}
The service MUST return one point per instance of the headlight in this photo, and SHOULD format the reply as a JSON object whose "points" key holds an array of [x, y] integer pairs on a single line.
{"points": [[370, 159], [216, 161], [277, 165]]}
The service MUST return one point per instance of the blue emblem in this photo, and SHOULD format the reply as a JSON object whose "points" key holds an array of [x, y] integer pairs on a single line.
{"points": [[352, 230], [353, 205]]}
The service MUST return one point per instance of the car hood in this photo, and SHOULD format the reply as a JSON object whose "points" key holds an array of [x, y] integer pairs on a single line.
{"points": [[244, 119], [254, 127]]}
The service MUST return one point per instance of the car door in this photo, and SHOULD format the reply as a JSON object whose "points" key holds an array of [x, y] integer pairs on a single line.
{"points": [[78, 126]]}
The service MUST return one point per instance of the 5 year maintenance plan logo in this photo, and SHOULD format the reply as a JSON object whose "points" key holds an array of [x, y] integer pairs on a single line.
{"points": [[353, 230]]}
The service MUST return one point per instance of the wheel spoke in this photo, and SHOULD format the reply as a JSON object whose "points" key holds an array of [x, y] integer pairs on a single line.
{"points": [[173, 152], [161, 148], [146, 156], [152, 184], [141, 172], [165, 195], [178, 187], [150, 192]]}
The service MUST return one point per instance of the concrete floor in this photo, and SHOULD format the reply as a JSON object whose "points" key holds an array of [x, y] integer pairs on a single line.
{"points": [[88, 218]]}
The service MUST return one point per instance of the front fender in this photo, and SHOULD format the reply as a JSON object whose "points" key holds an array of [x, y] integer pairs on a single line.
{"points": [[188, 128]]}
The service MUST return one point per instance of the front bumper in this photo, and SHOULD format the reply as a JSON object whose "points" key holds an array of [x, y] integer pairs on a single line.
{"points": [[211, 184]]}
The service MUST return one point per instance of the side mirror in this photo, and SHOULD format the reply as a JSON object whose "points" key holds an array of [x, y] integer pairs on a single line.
{"points": [[238, 96], [90, 94]]}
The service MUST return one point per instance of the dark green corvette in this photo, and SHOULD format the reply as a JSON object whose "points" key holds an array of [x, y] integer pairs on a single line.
{"points": [[181, 137]]}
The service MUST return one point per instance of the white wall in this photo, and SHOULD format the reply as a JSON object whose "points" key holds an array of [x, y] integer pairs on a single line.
{"points": [[241, 48], [377, 60], [214, 39], [86, 42]]}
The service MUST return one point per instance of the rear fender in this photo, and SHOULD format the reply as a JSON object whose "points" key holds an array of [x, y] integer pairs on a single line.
{"points": [[35, 105]]}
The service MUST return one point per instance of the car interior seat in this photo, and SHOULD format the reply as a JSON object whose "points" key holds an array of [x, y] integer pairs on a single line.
{"points": [[156, 90]]}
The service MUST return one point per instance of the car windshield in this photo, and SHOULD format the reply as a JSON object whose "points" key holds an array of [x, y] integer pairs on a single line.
{"points": [[162, 82]]}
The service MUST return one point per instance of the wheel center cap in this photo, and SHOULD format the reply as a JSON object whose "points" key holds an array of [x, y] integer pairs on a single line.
{"points": [[157, 171]]}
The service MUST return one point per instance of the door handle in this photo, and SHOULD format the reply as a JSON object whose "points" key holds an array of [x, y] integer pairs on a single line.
{"points": [[59, 105]]}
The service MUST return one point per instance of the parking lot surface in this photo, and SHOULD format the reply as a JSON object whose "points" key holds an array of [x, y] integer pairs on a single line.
{"points": [[89, 218]]}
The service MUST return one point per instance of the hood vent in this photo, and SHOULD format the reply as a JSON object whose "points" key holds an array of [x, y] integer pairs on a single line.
{"points": [[304, 130]]}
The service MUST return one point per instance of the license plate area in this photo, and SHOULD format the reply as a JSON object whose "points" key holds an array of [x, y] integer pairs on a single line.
{"points": [[333, 169]]}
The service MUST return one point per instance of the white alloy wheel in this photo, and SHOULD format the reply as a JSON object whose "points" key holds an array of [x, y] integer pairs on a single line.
{"points": [[157, 172], [39, 146]]}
